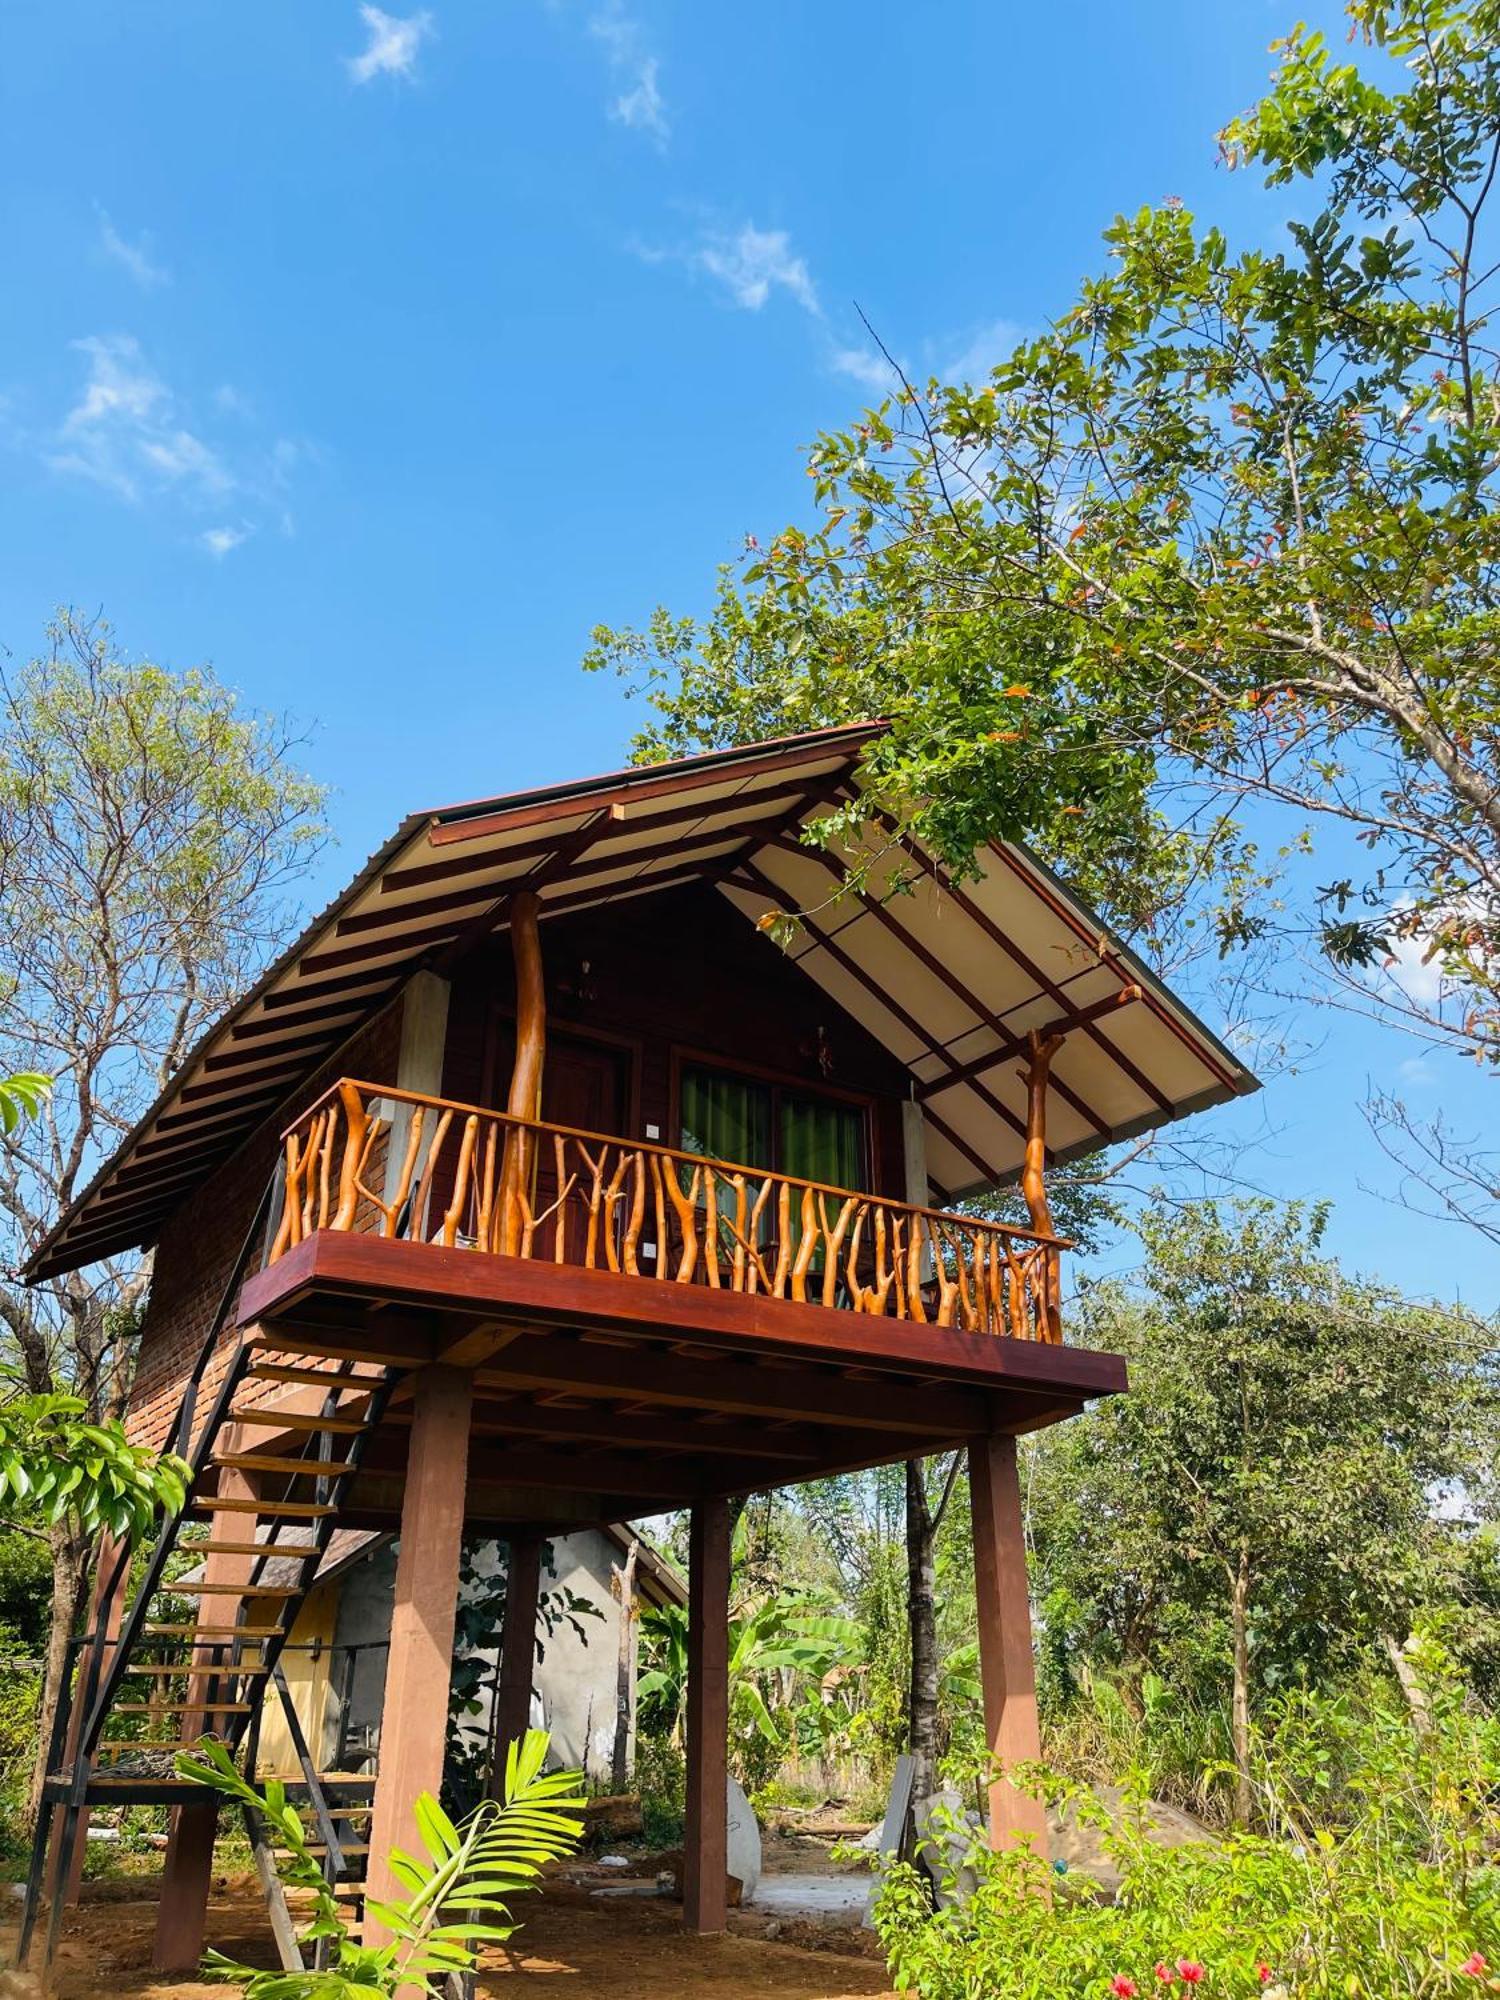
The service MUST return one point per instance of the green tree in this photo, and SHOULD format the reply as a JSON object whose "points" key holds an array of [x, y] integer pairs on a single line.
{"points": [[1215, 555], [1284, 1480], [150, 830]]}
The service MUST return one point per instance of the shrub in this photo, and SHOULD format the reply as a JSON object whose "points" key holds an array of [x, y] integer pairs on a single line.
{"points": [[1373, 1880]]}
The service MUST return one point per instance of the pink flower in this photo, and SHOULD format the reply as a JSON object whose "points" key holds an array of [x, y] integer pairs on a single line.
{"points": [[1189, 1971], [1125, 1989], [1164, 1973], [1263, 1972], [1475, 1964]]}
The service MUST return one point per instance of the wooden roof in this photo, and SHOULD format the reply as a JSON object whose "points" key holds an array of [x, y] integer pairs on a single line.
{"points": [[946, 976]]}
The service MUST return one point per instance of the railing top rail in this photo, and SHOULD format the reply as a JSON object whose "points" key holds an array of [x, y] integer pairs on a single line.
{"points": [[455, 1105]]}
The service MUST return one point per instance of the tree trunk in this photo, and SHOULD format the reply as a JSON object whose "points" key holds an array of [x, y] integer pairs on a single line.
{"points": [[1239, 1611], [1411, 1686], [70, 1562], [922, 1702], [624, 1580]]}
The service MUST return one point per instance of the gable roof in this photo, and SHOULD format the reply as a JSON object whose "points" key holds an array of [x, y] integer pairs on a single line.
{"points": [[947, 976]]}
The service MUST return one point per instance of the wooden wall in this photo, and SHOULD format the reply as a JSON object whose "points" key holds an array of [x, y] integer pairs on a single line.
{"points": [[669, 978]]}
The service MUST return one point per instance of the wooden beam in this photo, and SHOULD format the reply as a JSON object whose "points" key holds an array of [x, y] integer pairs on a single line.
{"points": [[414, 1716], [618, 1423], [399, 879], [872, 906], [1007, 1672], [1015, 1045], [1028, 965], [706, 1832], [523, 1587], [825, 941], [429, 1279], [693, 775]]}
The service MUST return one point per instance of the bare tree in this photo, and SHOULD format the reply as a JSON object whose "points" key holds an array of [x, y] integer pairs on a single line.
{"points": [[150, 830]]}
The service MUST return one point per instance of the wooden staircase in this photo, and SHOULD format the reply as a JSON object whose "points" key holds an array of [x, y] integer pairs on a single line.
{"points": [[132, 1705]]}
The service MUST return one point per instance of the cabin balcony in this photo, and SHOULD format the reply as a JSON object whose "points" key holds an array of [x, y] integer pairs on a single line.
{"points": [[648, 1324]]}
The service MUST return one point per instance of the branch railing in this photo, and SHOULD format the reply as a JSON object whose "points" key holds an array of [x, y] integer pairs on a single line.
{"points": [[375, 1160]]}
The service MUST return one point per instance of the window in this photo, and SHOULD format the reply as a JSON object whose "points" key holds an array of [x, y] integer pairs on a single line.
{"points": [[775, 1126]]}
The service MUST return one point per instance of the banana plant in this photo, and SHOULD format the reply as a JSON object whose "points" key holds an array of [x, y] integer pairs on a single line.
{"points": [[459, 1890]]}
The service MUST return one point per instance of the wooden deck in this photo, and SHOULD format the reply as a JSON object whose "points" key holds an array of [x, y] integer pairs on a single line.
{"points": [[601, 1395]]}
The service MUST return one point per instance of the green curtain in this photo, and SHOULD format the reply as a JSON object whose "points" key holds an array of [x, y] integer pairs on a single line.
{"points": [[726, 1117], [822, 1141]]}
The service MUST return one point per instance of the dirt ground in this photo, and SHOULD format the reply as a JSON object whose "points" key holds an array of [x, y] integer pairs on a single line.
{"points": [[573, 1945]]}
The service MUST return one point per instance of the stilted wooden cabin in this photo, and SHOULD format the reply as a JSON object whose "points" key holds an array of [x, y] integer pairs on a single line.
{"points": [[540, 1184]]}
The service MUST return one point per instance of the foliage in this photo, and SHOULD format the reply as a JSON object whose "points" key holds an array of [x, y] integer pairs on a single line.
{"points": [[473, 1685], [661, 1781], [780, 1649], [56, 1466], [1261, 1503], [21, 1097], [1374, 1878], [151, 829], [459, 1893], [1225, 535]]}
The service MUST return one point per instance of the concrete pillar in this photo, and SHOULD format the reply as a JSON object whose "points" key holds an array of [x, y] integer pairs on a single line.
{"points": [[414, 1719], [1007, 1670], [523, 1587], [706, 1835]]}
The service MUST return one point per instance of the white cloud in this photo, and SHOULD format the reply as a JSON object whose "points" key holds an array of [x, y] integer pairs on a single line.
{"points": [[129, 433], [134, 257], [752, 263], [123, 432], [1417, 1069], [640, 104], [865, 366], [392, 47], [984, 350], [220, 542]]}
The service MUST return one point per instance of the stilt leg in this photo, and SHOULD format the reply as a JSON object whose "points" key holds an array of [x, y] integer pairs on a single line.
{"points": [[523, 1585], [187, 1875], [414, 1719], [1007, 1670], [107, 1610], [705, 1839]]}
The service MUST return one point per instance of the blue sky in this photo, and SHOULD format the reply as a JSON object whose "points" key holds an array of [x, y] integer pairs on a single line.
{"points": [[376, 356]]}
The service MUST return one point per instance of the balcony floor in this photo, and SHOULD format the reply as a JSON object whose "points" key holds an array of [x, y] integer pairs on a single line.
{"points": [[600, 1397]]}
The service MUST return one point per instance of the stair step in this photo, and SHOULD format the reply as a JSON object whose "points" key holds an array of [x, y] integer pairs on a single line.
{"points": [[300, 1468], [234, 1590], [203, 1633], [319, 1847], [299, 1510], [254, 1548], [311, 1378], [220, 1669], [180, 1708], [284, 1420]]}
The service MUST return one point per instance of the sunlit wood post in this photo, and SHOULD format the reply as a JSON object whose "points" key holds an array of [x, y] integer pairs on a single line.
{"points": [[1007, 1671], [705, 1847], [1034, 1170], [525, 1098], [414, 1715]]}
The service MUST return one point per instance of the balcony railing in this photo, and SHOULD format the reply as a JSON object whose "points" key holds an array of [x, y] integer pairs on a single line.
{"points": [[392, 1163]]}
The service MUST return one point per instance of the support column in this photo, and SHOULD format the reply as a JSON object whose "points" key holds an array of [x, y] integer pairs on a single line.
{"points": [[523, 1589], [706, 1835], [106, 1612], [1007, 1671], [414, 1717], [187, 1875], [524, 1098]]}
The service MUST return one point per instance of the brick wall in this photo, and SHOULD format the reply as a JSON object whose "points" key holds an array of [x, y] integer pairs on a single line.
{"points": [[201, 1239]]}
